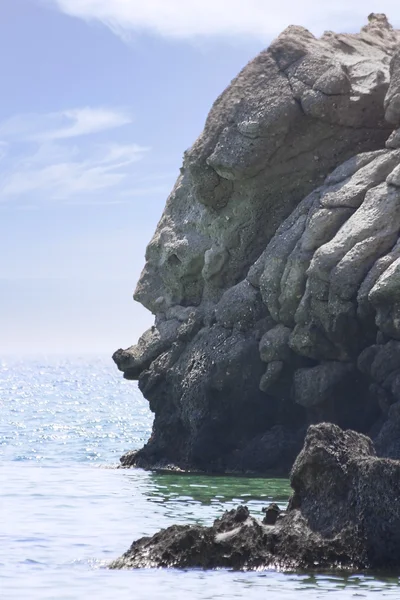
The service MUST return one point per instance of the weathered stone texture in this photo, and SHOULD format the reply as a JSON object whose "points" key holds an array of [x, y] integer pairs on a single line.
{"points": [[344, 514], [275, 268]]}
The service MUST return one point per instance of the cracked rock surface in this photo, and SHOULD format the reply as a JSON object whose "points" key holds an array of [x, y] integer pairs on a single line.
{"points": [[344, 514], [274, 272]]}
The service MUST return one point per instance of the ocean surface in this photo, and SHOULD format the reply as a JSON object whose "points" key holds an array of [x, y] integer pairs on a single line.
{"points": [[66, 511]]}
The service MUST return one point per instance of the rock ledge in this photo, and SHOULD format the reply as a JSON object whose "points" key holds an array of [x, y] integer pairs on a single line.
{"points": [[344, 514]]}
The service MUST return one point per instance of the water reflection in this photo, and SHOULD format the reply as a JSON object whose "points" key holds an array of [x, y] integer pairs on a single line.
{"points": [[207, 489], [167, 498], [358, 584], [202, 497], [66, 518]]}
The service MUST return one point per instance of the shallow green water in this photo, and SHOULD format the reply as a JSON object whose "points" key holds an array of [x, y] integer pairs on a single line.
{"points": [[209, 490], [65, 512]]}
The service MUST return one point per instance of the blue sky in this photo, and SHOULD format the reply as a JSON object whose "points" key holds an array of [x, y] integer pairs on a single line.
{"points": [[99, 100]]}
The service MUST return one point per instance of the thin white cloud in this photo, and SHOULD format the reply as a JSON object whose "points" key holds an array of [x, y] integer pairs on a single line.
{"points": [[62, 125], [54, 156], [55, 179], [260, 19], [84, 121]]}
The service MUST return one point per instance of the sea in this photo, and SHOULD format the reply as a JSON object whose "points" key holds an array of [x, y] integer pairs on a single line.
{"points": [[66, 510]]}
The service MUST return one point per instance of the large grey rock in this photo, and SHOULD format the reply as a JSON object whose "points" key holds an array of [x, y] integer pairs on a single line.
{"points": [[392, 100], [240, 307], [317, 385], [272, 374], [393, 140], [274, 345], [385, 297], [279, 244], [293, 113], [344, 514]]}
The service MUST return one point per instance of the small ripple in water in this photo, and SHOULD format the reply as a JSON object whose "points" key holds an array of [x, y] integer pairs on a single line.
{"points": [[66, 518]]}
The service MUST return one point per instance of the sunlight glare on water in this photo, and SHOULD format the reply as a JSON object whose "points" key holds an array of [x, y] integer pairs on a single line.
{"points": [[65, 514]]}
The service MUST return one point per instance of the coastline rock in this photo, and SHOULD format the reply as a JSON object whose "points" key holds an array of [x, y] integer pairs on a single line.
{"points": [[393, 141], [392, 100], [318, 385], [272, 513], [343, 514], [275, 265]]}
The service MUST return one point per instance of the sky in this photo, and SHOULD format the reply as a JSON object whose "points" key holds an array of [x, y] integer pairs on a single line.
{"points": [[99, 100]]}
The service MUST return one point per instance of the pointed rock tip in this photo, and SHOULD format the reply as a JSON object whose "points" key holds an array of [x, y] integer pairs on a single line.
{"points": [[297, 30], [380, 19], [121, 357]]}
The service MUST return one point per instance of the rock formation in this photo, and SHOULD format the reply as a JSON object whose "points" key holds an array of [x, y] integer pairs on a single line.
{"points": [[344, 514], [274, 272]]}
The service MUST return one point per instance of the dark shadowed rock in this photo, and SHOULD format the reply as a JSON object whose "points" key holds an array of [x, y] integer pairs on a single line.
{"points": [[276, 263], [272, 512], [344, 514], [388, 440], [235, 541], [321, 384]]}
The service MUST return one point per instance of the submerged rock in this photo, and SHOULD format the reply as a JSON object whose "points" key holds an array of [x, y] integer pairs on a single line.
{"points": [[344, 514], [275, 265]]}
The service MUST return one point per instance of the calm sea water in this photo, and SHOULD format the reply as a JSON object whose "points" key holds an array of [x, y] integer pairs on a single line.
{"points": [[66, 511]]}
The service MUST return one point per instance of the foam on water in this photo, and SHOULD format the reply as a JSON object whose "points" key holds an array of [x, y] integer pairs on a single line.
{"points": [[64, 517]]}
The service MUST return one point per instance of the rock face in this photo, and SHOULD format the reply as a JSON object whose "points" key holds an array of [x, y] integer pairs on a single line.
{"points": [[344, 513], [274, 271]]}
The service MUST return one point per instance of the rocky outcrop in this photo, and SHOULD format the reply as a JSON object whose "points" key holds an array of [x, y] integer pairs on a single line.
{"points": [[273, 272], [343, 514]]}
